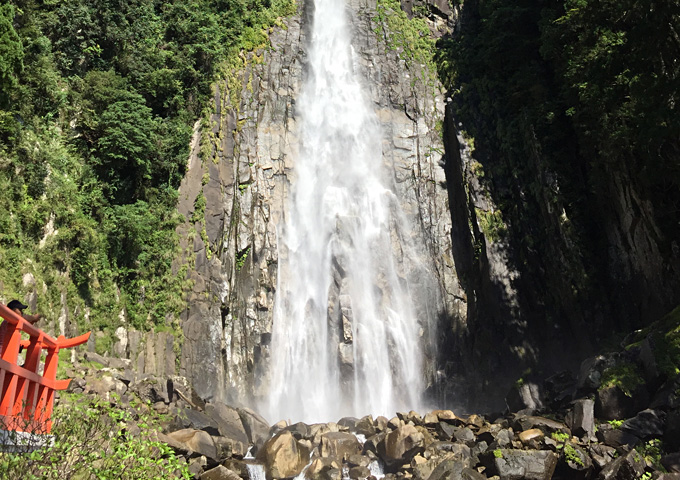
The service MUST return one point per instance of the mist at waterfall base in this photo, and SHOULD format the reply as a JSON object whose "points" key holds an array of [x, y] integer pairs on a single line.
{"points": [[346, 338]]}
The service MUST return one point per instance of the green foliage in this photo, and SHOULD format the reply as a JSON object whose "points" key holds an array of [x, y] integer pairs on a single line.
{"points": [[626, 376], [560, 97], [198, 214], [92, 440], [11, 51], [665, 336], [241, 258], [498, 453], [491, 224], [560, 436], [615, 423], [410, 37], [98, 102], [651, 451], [571, 455]]}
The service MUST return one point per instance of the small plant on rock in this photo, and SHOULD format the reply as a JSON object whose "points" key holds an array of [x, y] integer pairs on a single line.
{"points": [[651, 452], [615, 423], [571, 455], [559, 436]]}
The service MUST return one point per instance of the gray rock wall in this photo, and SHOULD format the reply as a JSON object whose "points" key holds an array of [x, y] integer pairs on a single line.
{"points": [[242, 164]]}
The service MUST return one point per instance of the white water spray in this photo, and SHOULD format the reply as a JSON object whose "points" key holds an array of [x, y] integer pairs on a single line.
{"points": [[346, 339]]}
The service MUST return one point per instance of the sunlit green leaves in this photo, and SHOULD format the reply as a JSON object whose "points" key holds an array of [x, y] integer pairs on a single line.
{"points": [[11, 51]]}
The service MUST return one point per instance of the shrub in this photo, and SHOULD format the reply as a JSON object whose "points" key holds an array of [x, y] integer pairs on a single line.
{"points": [[94, 440]]}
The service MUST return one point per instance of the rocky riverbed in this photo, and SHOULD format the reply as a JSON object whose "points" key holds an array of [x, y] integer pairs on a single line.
{"points": [[617, 418]]}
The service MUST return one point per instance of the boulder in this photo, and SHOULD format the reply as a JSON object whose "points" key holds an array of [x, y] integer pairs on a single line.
{"points": [[438, 453], [240, 467], [446, 430], [219, 473], [576, 458], [365, 426], [446, 416], [475, 421], [317, 430], [381, 423], [340, 445], [430, 419], [602, 455], [349, 422], [104, 385], [612, 403], [590, 373], [521, 464], [615, 437], [503, 438], [359, 460], [479, 448], [191, 418], [627, 467], [359, 473], [548, 426], [447, 469], [428, 436], [400, 445], [228, 447], [582, 418], [464, 435], [560, 389], [395, 422], [152, 389], [527, 396], [372, 443], [179, 447], [196, 466], [197, 440], [283, 456], [228, 421], [95, 357], [460, 451], [488, 433], [411, 417], [531, 436], [646, 424], [256, 427], [302, 430], [470, 474], [322, 469], [671, 462]]}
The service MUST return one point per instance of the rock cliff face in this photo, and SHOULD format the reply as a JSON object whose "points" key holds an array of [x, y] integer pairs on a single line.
{"points": [[552, 264], [236, 192], [514, 292]]}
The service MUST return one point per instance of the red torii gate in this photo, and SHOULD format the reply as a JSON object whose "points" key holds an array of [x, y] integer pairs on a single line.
{"points": [[27, 396]]}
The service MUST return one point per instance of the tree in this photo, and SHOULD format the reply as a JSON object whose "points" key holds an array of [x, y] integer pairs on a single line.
{"points": [[11, 53]]}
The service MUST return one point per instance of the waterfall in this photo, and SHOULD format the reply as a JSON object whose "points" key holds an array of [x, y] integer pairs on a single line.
{"points": [[346, 338]]}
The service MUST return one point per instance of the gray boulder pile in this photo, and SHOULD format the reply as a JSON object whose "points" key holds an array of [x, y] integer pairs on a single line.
{"points": [[618, 418]]}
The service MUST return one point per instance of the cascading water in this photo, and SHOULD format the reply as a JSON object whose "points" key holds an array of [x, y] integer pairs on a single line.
{"points": [[346, 339]]}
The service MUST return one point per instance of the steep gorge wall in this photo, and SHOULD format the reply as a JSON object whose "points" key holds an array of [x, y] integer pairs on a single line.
{"points": [[558, 250]]}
